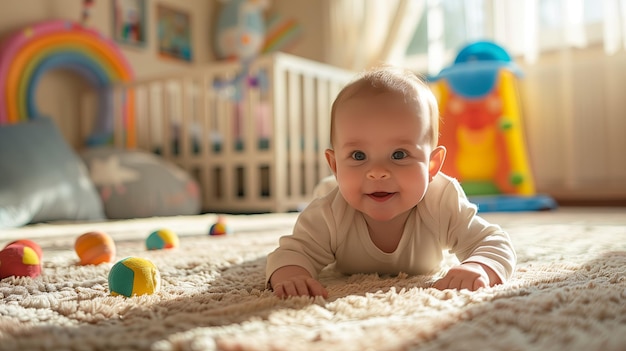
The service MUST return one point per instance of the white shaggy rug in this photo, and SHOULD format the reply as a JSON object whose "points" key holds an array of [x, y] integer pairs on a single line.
{"points": [[568, 293]]}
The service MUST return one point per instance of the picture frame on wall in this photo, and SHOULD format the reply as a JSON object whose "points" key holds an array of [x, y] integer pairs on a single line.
{"points": [[129, 22], [174, 33]]}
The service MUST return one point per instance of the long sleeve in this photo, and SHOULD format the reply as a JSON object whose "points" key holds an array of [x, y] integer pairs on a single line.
{"points": [[312, 243], [470, 237], [329, 231]]}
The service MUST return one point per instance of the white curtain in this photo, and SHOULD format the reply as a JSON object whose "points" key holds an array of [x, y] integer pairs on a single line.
{"points": [[517, 25], [362, 33], [614, 25]]}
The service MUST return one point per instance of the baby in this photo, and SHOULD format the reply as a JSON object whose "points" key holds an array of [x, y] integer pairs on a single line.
{"points": [[392, 210]]}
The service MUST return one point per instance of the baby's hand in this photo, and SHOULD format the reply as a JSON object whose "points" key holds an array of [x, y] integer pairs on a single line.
{"points": [[296, 281], [299, 286], [471, 276]]}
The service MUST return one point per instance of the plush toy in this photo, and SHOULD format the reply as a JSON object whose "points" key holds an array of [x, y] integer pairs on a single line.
{"points": [[162, 239], [220, 227], [94, 248], [240, 32], [19, 260], [133, 276], [33, 245]]}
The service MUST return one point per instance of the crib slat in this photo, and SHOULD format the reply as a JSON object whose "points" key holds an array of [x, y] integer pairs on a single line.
{"points": [[186, 121], [295, 134], [141, 114], [310, 133], [253, 138], [278, 166], [118, 131], [204, 176], [166, 145], [228, 145], [323, 126]]}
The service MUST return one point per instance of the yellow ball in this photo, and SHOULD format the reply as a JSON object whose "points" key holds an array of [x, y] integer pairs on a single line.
{"points": [[133, 276]]}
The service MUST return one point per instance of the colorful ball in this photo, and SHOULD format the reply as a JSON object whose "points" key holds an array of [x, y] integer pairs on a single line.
{"points": [[20, 261], [33, 245], [162, 239], [220, 227], [95, 248], [134, 276]]}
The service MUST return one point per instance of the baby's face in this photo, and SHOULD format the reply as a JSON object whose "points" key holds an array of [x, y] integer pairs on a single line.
{"points": [[381, 155]]}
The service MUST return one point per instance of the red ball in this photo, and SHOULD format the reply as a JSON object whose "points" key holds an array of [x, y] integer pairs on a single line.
{"points": [[33, 245], [20, 261]]}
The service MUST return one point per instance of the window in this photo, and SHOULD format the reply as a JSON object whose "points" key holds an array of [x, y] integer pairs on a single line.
{"points": [[522, 27]]}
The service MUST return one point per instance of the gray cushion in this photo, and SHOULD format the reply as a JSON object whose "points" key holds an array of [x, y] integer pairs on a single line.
{"points": [[136, 184], [41, 178]]}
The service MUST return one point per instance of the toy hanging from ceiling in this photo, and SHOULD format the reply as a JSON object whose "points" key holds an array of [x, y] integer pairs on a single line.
{"points": [[242, 35]]}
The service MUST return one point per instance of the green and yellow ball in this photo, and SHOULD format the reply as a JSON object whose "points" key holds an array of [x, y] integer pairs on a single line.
{"points": [[134, 276], [162, 239]]}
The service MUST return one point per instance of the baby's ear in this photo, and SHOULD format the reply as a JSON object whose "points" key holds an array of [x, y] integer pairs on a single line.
{"points": [[330, 158], [437, 156]]}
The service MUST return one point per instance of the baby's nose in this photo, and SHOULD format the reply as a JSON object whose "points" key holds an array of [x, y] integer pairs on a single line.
{"points": [[377, 173]]}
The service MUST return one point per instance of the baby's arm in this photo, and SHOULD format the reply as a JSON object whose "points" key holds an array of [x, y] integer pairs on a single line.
{"points": [[291, 269], [469, 275], [295, 281]]}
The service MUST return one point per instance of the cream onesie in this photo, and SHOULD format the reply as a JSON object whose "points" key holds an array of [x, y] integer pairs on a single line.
{"points": [[330, 231]]}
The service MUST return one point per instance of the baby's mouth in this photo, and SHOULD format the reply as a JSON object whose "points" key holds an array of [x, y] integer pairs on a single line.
{"points": [[380, 196]]}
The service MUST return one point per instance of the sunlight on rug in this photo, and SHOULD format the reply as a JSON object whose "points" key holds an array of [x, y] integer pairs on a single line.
{"points": [[568, 292]]}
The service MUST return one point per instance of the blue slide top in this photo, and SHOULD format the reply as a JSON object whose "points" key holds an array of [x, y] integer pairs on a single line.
{"points": [[475, 69]]}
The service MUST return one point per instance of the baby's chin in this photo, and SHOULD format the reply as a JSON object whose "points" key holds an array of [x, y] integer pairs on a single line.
{"points": [[383, 215]]}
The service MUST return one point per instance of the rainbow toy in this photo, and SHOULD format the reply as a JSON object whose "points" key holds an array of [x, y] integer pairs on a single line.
{"points": [[28, 54], [483, 132]]}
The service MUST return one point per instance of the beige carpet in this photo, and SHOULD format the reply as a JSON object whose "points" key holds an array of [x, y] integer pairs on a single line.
{"points": [[568, 293]]}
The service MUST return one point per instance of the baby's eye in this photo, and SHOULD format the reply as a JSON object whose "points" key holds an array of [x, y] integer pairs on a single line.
{"points": [[358, 155], [398, 155]]}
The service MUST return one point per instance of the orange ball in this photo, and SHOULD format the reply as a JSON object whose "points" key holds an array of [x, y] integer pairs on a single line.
{"points": [[94, 248]]}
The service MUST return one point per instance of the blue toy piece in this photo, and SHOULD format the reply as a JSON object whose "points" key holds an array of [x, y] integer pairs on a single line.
{"points": [[511, 203]]}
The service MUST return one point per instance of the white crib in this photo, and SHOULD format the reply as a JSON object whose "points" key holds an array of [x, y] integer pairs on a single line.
{"points": [[262, 152]]}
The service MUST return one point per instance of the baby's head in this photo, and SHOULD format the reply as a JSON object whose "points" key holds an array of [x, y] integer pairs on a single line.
{"points": [[384, 135], [396, 82]]}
